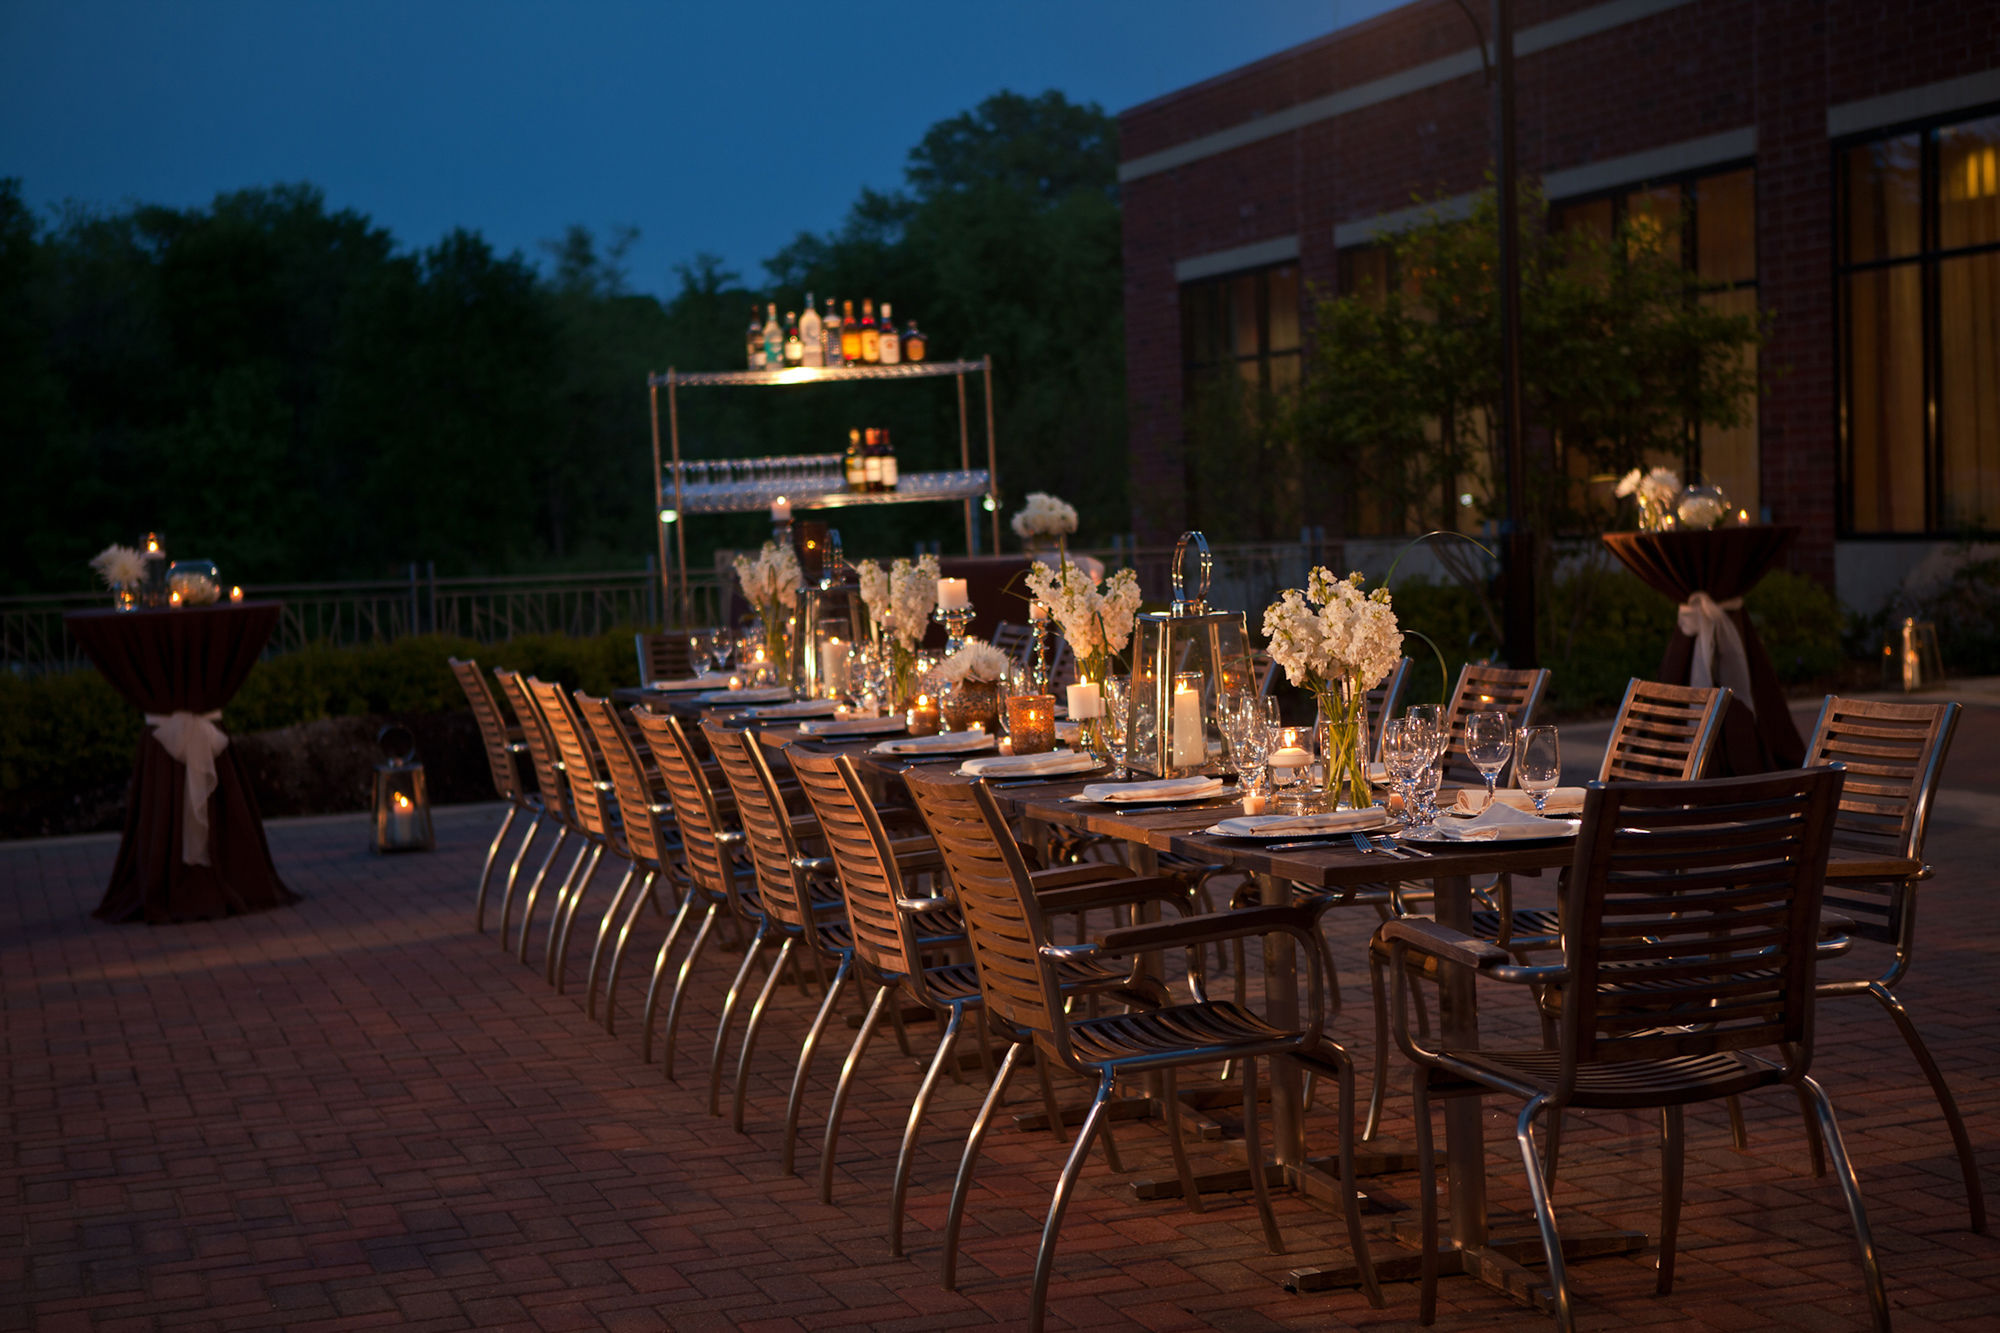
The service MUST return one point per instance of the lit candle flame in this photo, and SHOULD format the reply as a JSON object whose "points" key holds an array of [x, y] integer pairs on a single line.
{"points": [[402, 801]]}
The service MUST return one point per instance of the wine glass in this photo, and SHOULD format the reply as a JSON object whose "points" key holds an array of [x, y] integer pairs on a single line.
{"points": [[1290, 758], [1489, 744], [1398, 751], [1539, 764], [1111, 726]]}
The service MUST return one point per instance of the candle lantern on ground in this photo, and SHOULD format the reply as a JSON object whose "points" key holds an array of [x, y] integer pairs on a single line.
{"points": [[1183, 661], [402, 807]]}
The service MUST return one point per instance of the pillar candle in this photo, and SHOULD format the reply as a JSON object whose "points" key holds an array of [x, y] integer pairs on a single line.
{"points": [[833, 663], [1190, 745], [1085, 702], [952, 595], [1038, 610], [781, 510]]}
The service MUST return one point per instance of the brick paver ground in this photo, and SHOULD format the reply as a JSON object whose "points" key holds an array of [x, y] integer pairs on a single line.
{"points": [[357, 1113]]}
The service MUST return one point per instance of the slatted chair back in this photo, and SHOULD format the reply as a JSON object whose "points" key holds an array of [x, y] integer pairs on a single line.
{"points": [[1894, 754], [1482, 688], [643, 830], [492, 729], [870, 882], [663, 657], [1017, 641], [586, 798], [1691, 915], [1663, 733], [705, 856], [541, 747], [767, 824], [1002, 916], [1382, 702]]}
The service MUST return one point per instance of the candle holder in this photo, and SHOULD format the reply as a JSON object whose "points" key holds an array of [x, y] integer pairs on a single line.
{"points": [[1038, 675], [1031, 722], [922, 718], [956, 622]]}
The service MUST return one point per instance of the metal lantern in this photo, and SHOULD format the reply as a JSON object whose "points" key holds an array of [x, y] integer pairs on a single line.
{"points": [[829, 618], [402, 806], [1183, 663]]}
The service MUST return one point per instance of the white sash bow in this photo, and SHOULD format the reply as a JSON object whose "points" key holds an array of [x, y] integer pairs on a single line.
{"points": [[1718, 645], [193, 740]]}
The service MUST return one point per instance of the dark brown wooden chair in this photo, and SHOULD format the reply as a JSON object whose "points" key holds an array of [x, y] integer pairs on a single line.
{"points": [[1894, 754], [1019, 973], [1691, 921], [503, 755], [664, 657], [1483, 688]]}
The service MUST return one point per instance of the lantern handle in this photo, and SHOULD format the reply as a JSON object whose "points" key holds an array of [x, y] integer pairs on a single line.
{"points": [[1197, 604]]}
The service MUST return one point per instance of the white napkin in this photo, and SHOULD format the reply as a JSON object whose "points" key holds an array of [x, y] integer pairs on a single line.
{"points": [[1027, 765], [1154, 790], [712, 680], [803, 708], [853, 726], [945, 742], [763, 694], [1562, 800], [1503, 823], [1334, 821], [1069, 732]]}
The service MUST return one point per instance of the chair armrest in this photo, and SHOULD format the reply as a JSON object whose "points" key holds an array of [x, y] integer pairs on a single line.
{"points": [[1873, 868], [1113, 893], [1428, 937], [1210, 927], [1082, 872]]}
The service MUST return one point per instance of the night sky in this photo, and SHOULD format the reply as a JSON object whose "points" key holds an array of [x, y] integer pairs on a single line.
{"points": [[725, 128]]}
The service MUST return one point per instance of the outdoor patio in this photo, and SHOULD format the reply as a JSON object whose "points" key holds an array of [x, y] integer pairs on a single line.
{"points": [[357, 1112]]}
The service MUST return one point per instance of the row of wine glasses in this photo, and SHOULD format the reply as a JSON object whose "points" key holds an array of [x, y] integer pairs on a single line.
{"points": [[788, 470]]}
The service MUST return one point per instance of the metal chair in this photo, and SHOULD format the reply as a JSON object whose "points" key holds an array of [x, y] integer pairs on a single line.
{"points": [[664, 656], [1019, 973], [646, 840], [554, 792], [502, 753], [1691, 925], [595, 813], [1894, 754]]}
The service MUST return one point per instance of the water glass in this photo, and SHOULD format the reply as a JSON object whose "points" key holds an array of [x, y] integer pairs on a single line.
{"points": [[1489, 744], [1538, 764]]}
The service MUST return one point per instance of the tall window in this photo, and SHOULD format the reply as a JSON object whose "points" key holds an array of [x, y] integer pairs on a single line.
{"points": [[1919, 290], [1248, 322], [1716, 215]]}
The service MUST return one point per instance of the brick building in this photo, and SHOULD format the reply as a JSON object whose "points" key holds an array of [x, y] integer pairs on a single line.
{"points": [[1836, 162]]}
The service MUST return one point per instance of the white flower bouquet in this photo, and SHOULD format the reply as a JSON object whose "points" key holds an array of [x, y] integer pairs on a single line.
{"points": [[770, 582], [899, 601], [977, 660], [1096, 619], [1339, 642], [122, 568], [1657, 491], [1043, 517]]}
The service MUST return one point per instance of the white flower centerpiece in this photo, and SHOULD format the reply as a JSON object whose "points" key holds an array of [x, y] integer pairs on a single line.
{"points": [[770, 582], [1095, 618], [899, 601], [1657, 491], [969, 686], [1339, 642], [1044, 521], [123, 571]]}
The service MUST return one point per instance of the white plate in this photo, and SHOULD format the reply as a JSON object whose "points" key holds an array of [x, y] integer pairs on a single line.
{"points": [[1381, 821], [1161, 798], [767, 694], [803, 708], [952, 742], [1511, 835], [835, 728]]}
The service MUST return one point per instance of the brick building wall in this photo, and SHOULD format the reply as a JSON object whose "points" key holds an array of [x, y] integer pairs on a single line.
{"points": [[1352, 126]]}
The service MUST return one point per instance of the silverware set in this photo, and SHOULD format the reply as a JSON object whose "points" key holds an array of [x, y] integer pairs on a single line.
{"points": [[1381, 844]]}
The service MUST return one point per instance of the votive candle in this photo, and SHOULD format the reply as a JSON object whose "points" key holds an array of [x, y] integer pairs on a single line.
{"points": [[923, 716], [235, 594], [1031, 721]]}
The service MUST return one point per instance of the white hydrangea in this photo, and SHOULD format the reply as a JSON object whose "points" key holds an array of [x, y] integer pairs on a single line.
{"points": [[1333, 631], [900, 599], [1659, 488], [1043, 515], [121, 567], [977, 660], [1095, 620], [770, 577]]}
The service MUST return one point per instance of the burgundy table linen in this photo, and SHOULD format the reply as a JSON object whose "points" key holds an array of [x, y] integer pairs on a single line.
{"points": [[1758, 734], [185, 660]]}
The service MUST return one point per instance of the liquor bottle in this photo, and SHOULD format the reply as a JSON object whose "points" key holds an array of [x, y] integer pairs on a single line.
{"points": [[888, 456], [871, 460], [855, 480], [871, 338], [915, 345], [885, 339], [850, 335], [795, 346], [756, 340], [811, 335], [774, 338], [831, 326]]}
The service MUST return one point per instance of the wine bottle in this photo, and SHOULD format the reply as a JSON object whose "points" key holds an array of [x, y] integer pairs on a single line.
{"points": [[831, 325], [886, 342], [850, 335], [871, 460], [855, 480], [915, 345], [871, 337], [888, 456], [811, 335], [795, 346], [774, 338], [755, 346]]}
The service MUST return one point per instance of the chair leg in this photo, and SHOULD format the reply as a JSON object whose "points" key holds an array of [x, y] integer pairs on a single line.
{"points": [[513, 874], [901, 1030], [1812, 1134], [612, 916], [680, 988], [1552, 1150], [1381, 996], [1357, 1239], [653, 986], [624, 936], [1253, 1153], [555, 950], [831, 1142], [1878, 1298], [947, 1045], [1545, 1215], [728, 1018], [1738, 1135], [1673, 1152], [583, 853], [1049, 1106], [535, 891], [1045, 1257], [1968, 1165], [1177, 1140], [486, 872], [1427, 1198], [806, 1053], [750, 1030], [974, 1140]]}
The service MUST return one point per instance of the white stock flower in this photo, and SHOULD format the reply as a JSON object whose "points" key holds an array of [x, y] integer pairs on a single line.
{"points": [[771, 576], [1094, 620], [1043, 515], [1333, 631]]}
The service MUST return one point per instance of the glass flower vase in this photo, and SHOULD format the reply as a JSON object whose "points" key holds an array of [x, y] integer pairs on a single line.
{"points": [[1343, 708]]}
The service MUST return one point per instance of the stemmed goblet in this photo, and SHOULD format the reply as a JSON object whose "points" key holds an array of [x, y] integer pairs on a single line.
{"points": [[1539, 764], [1489, 744]]}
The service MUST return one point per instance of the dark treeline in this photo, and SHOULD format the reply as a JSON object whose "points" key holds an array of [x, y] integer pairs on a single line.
{"points": [[275, 383]]}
